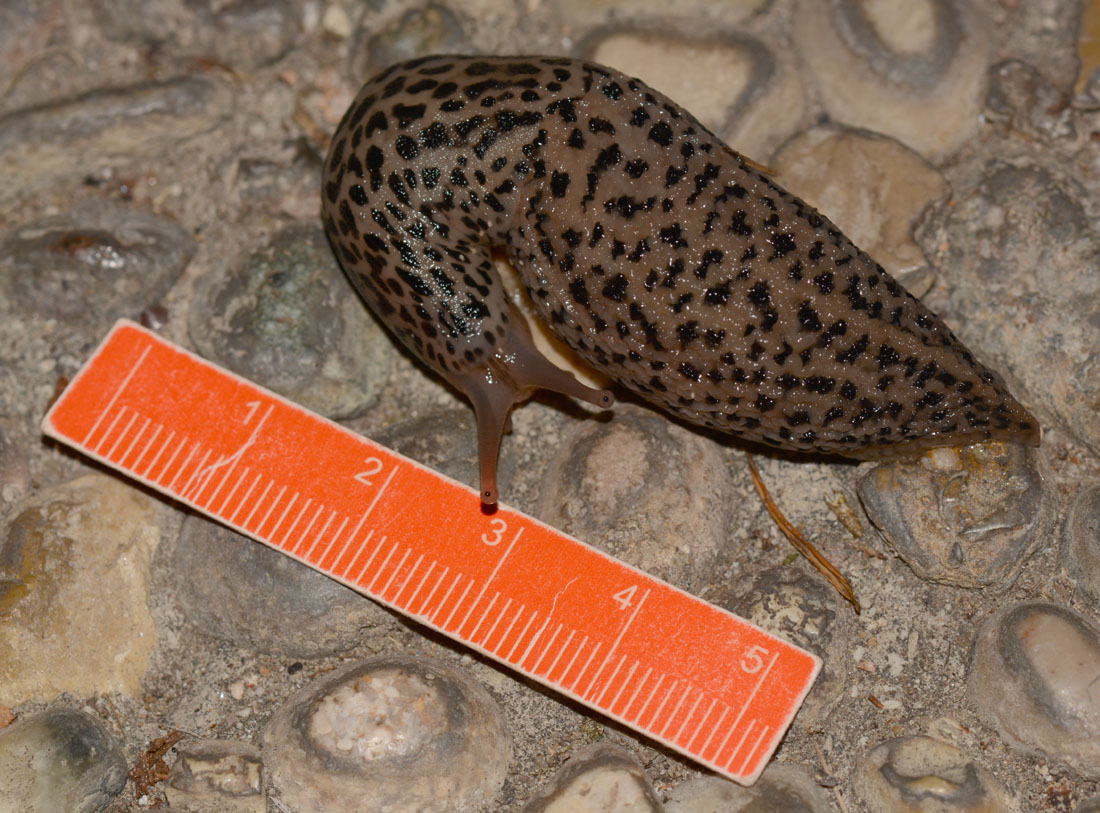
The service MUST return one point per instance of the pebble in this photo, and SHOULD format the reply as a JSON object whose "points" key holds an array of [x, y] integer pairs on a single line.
{"points": [[288, 319], [967, 517], [1088, 48], [281, 182], [889, 187], [1033, 678], [920, 774], [644, 490], [1081, 543], [782, 788], [1041, 33], [243, 34], [335, 22], [1089, 805], [242, 591], [59, 760], [217, 776], [702, 15], [62, 142], [155, 317], [674, 66], [74, 591], [446, 442], [799, 606], [25, 30], [92, 265], [428, 29], [390, 734], [600, 778], [1020, 243], [758, 103], [1021, 99], [884, 66], [15, 470]]}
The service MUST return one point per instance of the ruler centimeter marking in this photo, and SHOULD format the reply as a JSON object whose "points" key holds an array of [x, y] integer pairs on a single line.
{"points": [[688, 674]]}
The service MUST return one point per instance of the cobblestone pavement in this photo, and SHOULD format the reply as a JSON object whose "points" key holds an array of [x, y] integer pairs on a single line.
{"points": [[161, 159]]}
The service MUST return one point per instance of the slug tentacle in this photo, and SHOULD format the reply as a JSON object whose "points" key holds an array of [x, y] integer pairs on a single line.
{"points": [[660, 255], [509, 377]]}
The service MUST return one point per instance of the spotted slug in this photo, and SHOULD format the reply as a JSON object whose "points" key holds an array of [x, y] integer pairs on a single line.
{"points": [[661, 256]]}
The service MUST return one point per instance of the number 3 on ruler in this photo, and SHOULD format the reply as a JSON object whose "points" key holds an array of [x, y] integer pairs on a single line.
{"points": [[499, 526]]}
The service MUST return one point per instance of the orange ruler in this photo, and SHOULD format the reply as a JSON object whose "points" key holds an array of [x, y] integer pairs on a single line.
{"points": [[685, 673]]}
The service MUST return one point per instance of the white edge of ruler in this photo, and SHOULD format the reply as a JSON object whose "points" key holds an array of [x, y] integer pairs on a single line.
{"points": [[49, 430]]}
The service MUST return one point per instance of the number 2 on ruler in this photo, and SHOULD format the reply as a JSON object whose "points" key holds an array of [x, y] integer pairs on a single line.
{"points": [[374, 468]]}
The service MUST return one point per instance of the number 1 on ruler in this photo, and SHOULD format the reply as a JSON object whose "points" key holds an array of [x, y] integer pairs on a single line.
{"points": [[694, 677]]}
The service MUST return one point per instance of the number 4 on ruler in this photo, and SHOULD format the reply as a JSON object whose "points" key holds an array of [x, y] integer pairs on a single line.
{"points": [[692, 676]]}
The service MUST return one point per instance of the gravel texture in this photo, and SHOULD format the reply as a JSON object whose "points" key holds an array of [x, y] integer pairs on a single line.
{"points": [[161, 161]]}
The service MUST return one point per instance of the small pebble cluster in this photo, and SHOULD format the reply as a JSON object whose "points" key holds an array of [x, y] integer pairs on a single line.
{"points": [[165, 167]]}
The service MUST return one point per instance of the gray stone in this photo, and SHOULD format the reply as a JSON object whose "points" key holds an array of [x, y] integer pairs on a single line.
{"points": [[217, 776], [782, 788], [647, 492], [967, 517], [1081, 543], [1033, 678], [919, 774], [800, 607], [24, 30], [1020, 248], [1045, 33], [428, 29], [92, 265], [57, 141], [601, 778], [705, 16], [759, 101], [884, 66], [1020, 98], [15, 471], [887, 188], [243, 591], [390, 734], [38, 58], [288, 319], [245, 33], [59, 760]]}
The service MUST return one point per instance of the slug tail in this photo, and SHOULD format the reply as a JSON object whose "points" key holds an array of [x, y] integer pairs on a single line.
{"points": [[509, 378]]}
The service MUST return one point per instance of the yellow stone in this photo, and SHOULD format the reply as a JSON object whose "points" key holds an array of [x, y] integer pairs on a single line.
{"points": [[1088, 43], [682, 70], [74, 592], [885, 188]]}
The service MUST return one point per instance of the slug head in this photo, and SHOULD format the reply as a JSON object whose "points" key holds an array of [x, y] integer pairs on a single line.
{"points": [[509, 377]]}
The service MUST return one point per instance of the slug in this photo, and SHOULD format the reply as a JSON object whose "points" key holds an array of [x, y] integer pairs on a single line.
{"points": [[661, 256]]}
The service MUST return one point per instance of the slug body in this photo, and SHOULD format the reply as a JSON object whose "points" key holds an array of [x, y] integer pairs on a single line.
{"points": [[660, 255]]}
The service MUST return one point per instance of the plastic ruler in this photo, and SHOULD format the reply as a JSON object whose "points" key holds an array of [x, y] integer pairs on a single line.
{"points": [[685, 673]]}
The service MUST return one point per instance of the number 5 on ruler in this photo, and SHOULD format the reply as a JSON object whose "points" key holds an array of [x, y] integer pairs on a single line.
{"points": [[690, 675]]}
